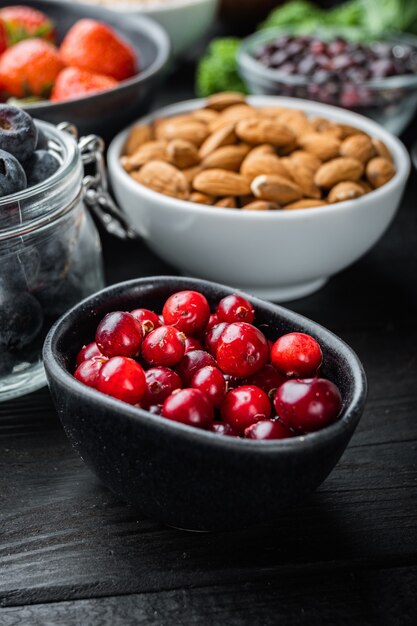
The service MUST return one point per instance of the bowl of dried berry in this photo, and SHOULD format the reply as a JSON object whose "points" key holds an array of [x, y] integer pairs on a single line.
{"points": [[271, 195], [377, 78], [204, 407]]}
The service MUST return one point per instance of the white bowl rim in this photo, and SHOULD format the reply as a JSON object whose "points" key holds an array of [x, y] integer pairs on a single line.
{"points": [[156, 6], [396, 147]]}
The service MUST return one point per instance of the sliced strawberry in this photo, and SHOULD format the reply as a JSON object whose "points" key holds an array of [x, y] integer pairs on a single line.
{"points": [[75, 83], [23, 22], [95, 47]]}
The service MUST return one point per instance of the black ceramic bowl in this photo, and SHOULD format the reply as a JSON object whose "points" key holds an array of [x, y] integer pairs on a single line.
{"points": [[107, 112], [177, 474]]}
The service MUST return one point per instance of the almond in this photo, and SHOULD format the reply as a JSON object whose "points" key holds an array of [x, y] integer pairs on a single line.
{"points": [[358, 147], [207, 116], [307, 159], [296, 121], [194, 131], [149, 151], [227, 157], [224, 136], [322, 145], [217, 182], [276, 189], [261, 205], [229, 202], [140, 134], [201, 198], [346, 190], [264, 148], [322, 125], [347, 131], [273, 111], [305, 203], [164, 178], [191, 172], [304, 177], [257, 164], [337, 171], [381, 149], [379, 171], [256, 131], [224, 100], [182, 153], [233, 115]]}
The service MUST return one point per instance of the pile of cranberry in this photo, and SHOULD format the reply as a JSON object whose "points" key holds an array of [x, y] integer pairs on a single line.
{"points": [[215, 371]]}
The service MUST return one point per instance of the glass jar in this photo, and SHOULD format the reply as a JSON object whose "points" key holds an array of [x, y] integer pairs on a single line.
{"points": [[50, 259]]}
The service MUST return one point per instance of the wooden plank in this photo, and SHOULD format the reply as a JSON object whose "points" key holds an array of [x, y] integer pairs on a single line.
{"points": [[383, 597]]}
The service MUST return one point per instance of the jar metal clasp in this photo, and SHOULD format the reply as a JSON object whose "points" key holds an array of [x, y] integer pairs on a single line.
{"points": [[96, 194]]}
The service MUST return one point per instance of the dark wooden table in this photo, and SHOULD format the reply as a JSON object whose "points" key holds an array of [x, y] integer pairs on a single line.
{"points": [[72, 553]]}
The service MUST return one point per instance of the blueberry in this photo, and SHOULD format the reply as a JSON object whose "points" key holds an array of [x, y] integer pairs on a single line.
{"points": [[42, 143], [12, 175], [21, 319], [7, 363], [18, 133], [59, 296], [40, 166]]}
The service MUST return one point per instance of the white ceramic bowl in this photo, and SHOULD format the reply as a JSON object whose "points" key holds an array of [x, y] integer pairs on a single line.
{"points": [[186, 21], [278, 255]]}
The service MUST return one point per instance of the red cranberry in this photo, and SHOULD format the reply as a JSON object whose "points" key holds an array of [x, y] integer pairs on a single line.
{"points": [[213, 320], [244, 406], [268, 429], [87, 352], [163, 346], [148, 319], [191, 363], [189, 406], [297, 355], [191, 343], [307, 405], [188, 311], [221, 428], [160, 383], [268, 379], [122, 378], [211, 381], [87, 372], [119, 334], [242, 350], [235, 309], [212, 336]]}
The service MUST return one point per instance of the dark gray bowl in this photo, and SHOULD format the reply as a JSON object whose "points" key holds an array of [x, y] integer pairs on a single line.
{"points": [[108, 112], [177, 474]]}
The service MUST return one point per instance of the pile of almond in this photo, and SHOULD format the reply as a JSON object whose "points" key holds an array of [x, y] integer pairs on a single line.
{"points": [[231, 154]]}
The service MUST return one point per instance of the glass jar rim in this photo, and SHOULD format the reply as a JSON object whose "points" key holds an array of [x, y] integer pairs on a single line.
{"points": [[42, 193]]}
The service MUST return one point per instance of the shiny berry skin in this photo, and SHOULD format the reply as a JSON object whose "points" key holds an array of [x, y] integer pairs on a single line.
{"points": [[211, 381], [119, 334], [87, 372], [163, 346], [268, 379], [221, 428], [122, 378], [244, 406], [191, 363], [148, 319], [188, 311], [242, 350], [307, 405], [212, 336], [297, 355], [87, 352], [268, 429], [213, 320], [189, 406], [235, 308], [160, 383], [191, 343]]}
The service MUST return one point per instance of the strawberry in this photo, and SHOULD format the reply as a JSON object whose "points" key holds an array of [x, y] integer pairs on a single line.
{"points": [[22, 22], [75, 83], [30, 68], [93, 46]]}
